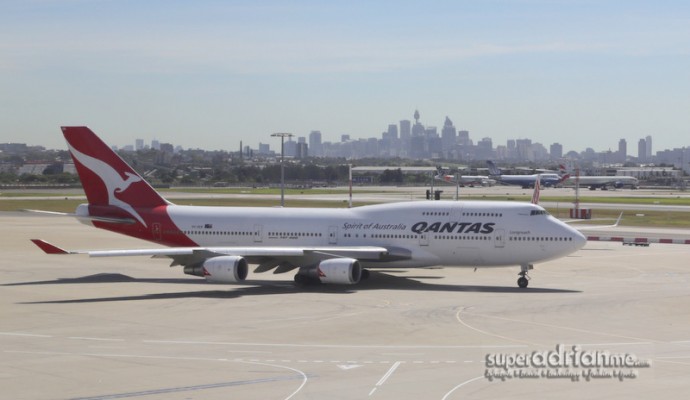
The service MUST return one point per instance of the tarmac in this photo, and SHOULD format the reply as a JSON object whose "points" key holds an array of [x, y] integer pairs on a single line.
{"points": [[73, 327]]}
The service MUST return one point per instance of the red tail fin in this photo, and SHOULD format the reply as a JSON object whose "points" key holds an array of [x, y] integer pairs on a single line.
{"points": [[535, 194], [106, 178]]}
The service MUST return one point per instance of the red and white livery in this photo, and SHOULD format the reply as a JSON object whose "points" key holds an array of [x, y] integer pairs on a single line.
{"points": [[322, 245]]}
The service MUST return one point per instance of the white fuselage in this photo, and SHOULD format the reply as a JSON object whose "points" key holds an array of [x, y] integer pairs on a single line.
{"points": [[433, 233], [466, 179], [528, 180], [603, 180]]}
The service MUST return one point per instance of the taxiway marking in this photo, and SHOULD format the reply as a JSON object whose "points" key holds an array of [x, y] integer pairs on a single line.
{"points": [[385, 377]]}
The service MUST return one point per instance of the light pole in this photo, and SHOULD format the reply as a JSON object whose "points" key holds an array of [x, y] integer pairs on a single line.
{"points": [[282, 136]]}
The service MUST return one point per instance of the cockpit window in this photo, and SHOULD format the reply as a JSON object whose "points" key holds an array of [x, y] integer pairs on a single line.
{"points": [[539, 212]]}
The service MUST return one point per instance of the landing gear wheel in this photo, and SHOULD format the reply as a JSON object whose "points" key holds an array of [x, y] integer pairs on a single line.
{"points": [[365, 274], [523, 280], [301, 279], [304, 280]]}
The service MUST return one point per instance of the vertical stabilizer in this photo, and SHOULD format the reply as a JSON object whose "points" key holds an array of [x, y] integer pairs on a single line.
{"points": [[107, 179], [493, 169], [537, 188]]}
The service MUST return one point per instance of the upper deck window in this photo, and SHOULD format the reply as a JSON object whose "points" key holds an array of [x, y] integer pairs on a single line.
{"points": [[539, 212]]}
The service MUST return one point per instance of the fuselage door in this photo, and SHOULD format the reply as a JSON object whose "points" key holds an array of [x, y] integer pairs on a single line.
{"points": [[500, 238], [332, 235], [424, 239], [258, 233], [157, 231], [456, 211]]}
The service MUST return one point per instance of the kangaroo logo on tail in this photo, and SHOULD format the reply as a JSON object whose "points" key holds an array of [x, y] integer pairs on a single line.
{"points": [[113, 181]]}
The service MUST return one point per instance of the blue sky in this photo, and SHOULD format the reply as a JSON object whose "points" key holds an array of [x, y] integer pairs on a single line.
{"points": [[211, 73]]}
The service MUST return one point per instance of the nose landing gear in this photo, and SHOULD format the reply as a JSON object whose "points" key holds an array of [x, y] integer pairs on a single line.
{"points": [[523, 280]]}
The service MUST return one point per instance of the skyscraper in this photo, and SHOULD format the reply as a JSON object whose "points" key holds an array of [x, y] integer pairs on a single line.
{"points": [[405, 129], [392, 132], [290, 148], [302, 150], [485, 148], [648, 148], [315, 146], [449, 135], [464, 138], [642, 150], [622, 150], [556, 151]]}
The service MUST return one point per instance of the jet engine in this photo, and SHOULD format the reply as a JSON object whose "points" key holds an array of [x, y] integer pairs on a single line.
{"points": [[222, 269], [343, 271]]}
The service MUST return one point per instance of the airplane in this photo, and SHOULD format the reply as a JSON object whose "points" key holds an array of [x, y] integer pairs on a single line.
{"points": [[335, 246], [463, 180], [602, 182], [526, 181]]}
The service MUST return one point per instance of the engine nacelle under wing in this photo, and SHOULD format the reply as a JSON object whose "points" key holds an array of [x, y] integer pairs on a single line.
{"points": [[343, 271], [221, 269]]}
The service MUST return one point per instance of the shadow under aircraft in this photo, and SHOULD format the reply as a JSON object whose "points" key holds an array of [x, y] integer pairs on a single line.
{"points": [[377, 281]]}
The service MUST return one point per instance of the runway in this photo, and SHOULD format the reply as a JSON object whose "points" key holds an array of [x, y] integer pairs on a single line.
{"points": [[79, 328]]}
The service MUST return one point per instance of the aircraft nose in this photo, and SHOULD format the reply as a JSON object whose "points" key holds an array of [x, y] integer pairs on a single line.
{"points": [[579, 240]]}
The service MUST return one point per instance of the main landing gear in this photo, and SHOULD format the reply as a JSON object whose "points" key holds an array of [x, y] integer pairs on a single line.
{"points": [[523, 280]]}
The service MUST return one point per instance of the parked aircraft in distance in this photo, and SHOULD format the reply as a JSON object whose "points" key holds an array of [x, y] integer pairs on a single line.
{"points": [[463, 180], [525, 181], [322, 245], [602, 182]]}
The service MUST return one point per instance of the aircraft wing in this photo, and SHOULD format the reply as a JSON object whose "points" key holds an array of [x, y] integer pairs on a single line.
{"points": [[593, 227], [625, 238], [192, 255]]}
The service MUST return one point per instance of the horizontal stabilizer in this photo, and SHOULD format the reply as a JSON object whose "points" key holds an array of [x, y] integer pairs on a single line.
{"points": [[49, 248]]}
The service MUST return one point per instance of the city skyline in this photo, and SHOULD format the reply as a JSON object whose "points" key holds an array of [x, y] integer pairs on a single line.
{"points": [[424, 142], [447, 143], [208, 74]]}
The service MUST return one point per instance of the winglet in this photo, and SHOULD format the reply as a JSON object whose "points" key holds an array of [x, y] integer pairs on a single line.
{"points": [[619, 219], [48, 248]]}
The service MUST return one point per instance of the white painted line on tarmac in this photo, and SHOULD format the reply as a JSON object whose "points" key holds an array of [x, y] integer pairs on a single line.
{"points": [[249, 351], [96, 339], [336, 346], [25, 334], [567, 328], [385, 377], [461, 385], [346, 367], [483, 332], [304, 377]]}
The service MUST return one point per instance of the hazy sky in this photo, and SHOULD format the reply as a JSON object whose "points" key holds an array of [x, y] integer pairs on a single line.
{"points": [[211, 73]]}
